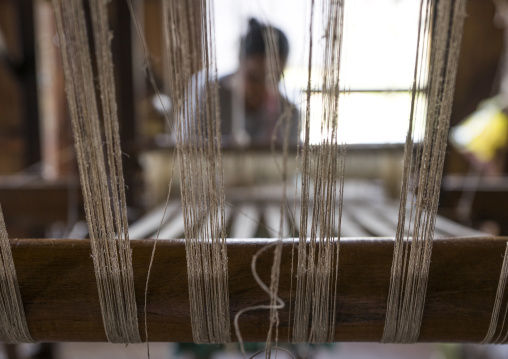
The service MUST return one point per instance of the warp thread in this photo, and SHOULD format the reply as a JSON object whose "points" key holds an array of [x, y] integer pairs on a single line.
{"points": [[190, 48], [13, 324], [198, 132], [105, 204], [443, 22], [323, 169], [499, 301], [275, 303], [274, 71]]}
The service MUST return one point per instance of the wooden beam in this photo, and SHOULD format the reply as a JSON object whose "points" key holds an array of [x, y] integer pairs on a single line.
{"points": [[48, 201], [60, 297]]}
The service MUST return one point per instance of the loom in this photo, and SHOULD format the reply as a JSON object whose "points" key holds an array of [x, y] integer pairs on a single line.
{"points": [[59, 291]]}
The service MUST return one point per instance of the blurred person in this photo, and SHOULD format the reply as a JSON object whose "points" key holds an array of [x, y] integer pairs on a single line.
{"points": [[252, 109], [250, 104]]}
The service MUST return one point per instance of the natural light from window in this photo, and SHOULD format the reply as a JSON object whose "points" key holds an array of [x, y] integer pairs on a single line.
{"points": [[377, 68]]}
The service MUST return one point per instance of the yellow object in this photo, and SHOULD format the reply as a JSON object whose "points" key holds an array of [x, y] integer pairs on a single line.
{"points": [[484, 132]]}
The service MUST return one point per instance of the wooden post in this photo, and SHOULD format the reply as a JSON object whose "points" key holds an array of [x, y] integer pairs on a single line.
{"points": [[27, 76]]}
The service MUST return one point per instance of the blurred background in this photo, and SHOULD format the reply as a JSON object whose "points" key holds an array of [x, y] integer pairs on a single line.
{"points": [[39, 185]]}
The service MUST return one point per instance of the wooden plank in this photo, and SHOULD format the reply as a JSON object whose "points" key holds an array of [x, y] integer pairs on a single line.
{"points": [[444, 227], [272, 217], [59, 292], [369, 219], [245, 222], [150, 222], [174, 228], [348, 226], [390, 212], [452, 229]]}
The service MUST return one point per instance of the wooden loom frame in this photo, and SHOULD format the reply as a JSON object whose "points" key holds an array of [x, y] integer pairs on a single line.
{"points": [[59, 292], [58, 288]]}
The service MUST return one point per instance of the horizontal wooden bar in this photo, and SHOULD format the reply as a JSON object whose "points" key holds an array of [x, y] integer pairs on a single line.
{"points": [[57, 196], [58, 288]]}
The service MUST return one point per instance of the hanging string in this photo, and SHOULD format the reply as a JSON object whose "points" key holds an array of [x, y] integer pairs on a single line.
{"points": [[274, 71], [105, 204], [440, 25], [13, 324], [193, 83], [323, 170], [275, 304]]}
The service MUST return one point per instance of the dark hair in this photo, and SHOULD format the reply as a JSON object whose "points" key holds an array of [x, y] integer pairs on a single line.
{"points": [[253, 42]]}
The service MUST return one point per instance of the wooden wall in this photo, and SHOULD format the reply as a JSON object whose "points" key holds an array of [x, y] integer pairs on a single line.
{"points": [[11, 136]]}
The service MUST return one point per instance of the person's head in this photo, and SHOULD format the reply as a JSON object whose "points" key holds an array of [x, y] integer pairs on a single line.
{"points": [[253, 56]]}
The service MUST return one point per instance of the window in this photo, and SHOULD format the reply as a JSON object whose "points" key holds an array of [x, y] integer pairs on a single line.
{"points": [[379, 48]]}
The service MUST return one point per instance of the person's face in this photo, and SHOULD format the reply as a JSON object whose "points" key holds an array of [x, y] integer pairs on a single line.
{"points": [[253, 70]]}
